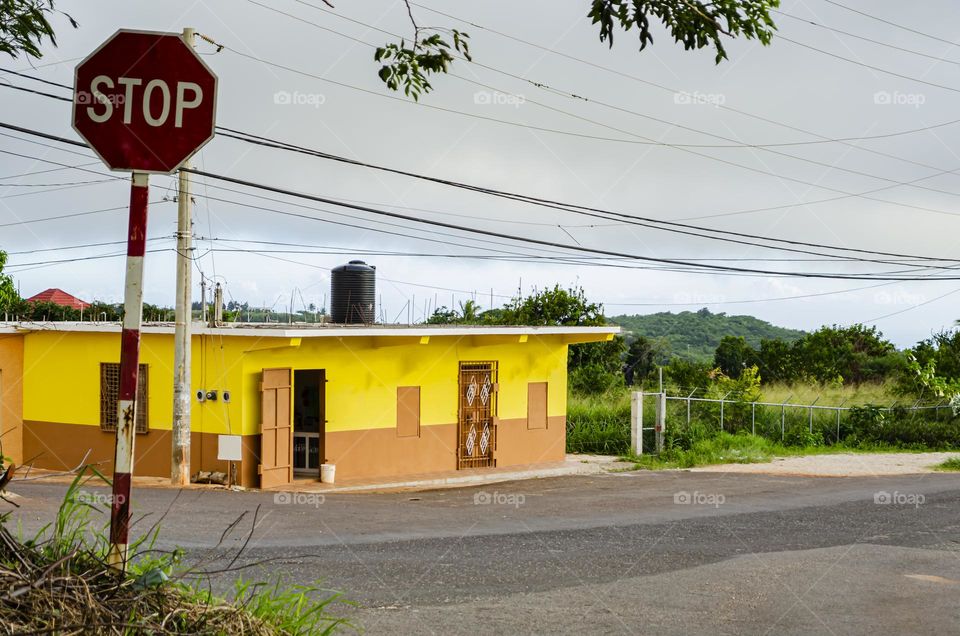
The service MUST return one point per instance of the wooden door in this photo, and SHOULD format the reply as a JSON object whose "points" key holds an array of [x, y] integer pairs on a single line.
{"points": [[276, 428]]}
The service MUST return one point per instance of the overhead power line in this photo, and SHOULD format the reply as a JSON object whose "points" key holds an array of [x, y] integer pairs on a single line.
{"points": [[890, 23], [878, 69], [590, 211], [521, 239], [570, 207], [866, 39], [689, 148], [847, 141], [844, 194]]}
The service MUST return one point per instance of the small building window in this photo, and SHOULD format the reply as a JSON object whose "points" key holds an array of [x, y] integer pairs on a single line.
{"points": [[408, 411], [110, 395]]}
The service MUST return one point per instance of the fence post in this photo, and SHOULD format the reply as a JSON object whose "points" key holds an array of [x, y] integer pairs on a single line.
{"points": [[661, 424], [689, 400], [783, 418], [636, 422], [721, 408], [753, 418], [811, 414]]}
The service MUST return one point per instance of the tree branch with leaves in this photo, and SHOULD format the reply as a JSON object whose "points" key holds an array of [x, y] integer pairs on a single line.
{"points": [[693, 23], [25, 24]]}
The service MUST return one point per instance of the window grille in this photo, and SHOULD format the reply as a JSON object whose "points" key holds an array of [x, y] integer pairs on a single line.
{"points": [[110, 395]]}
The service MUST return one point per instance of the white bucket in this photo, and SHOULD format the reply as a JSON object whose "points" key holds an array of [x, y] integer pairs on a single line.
{"points": [[328, 473]]}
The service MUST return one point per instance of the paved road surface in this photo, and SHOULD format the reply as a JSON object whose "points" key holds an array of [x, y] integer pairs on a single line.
{"points": [[657, 553]]}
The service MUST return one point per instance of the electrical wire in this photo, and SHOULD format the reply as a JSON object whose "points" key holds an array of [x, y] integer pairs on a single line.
{"points": [[513, 196], [576, 248], [689, 148], [888, 22], [577, 209], [847, 141], [866, 39]]}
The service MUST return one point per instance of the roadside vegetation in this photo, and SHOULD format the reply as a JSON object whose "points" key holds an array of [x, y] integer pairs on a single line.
{"points": [[58, 582], [951, 465], [882, 391]]}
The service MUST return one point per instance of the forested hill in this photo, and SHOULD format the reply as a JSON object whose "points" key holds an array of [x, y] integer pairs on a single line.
{"points": [[694, 335]]}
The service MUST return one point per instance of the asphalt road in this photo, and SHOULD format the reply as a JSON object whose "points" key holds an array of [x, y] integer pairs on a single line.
{"points": [[664, 553]]}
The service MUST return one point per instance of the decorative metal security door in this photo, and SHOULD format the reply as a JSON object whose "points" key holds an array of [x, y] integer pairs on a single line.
{"points": [[477, 430]]}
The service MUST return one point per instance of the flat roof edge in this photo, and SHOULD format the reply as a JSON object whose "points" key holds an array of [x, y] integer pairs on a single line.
{"points": [[334, 331]]}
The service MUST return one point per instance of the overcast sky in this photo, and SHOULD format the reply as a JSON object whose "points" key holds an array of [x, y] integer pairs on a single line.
{"points": [[785, 89]]}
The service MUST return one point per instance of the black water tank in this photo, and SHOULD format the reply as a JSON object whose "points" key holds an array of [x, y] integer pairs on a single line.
{"points": [[353, 290]]}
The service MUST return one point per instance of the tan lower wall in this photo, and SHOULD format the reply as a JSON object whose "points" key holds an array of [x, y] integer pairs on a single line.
{"points": [[371, 453], [63, 446], [378, 452], [11, 397], [375, 453], [516, 445]]}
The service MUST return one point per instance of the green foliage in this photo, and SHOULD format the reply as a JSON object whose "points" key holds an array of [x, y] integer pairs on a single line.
{"points": [[593, 379], [409, 66], [595, 423], [8, 292], [950, 465], [693, 23], [695, 335], [722, 448], [641, 359], [853, 354], [24, 24], [469, 314], [733, 355], [688, 375], [557, 306], [63, 584], [292, 610]]}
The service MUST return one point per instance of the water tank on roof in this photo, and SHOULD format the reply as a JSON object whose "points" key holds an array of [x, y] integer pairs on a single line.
{"points": [[353, 289]]}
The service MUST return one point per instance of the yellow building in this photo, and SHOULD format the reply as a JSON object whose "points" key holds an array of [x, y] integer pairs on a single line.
{"points": [[374, 401]]}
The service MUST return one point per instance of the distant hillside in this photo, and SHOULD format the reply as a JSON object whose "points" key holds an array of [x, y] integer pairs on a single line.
{"points": [[694, 335]]}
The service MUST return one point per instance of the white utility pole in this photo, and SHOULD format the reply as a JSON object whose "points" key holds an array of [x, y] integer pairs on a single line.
{"points": [[180, 451]]}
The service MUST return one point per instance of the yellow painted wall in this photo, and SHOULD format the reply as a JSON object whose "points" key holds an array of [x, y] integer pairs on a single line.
{"points": [[363, 375], [62, 379], [62, 376]]}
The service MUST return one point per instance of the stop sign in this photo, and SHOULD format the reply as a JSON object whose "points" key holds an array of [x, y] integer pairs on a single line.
{"points": [[144, 101]]}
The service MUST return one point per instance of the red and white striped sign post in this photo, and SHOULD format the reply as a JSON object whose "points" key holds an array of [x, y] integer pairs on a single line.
{"points": [[145, 102], [129, 370]]}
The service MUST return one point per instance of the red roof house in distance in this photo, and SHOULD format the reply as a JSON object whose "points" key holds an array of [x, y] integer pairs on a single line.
{"points": [[59, 297]]}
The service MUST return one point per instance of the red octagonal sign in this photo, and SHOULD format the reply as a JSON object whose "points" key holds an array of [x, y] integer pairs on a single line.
{"points": [[144, 101]]}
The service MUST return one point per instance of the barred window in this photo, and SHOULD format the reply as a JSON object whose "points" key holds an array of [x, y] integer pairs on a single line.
{"points": [[110, 395]]}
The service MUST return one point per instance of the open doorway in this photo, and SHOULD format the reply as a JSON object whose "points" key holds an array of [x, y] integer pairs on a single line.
{"points": [[309, 421]]}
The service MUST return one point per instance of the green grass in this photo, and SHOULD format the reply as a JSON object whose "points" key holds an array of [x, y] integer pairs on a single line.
{"points": [[952, 465], [724, 448], [848, 395]]}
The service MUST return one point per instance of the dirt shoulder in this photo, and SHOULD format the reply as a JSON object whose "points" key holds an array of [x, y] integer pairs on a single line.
{"points": [[840, 465]]}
